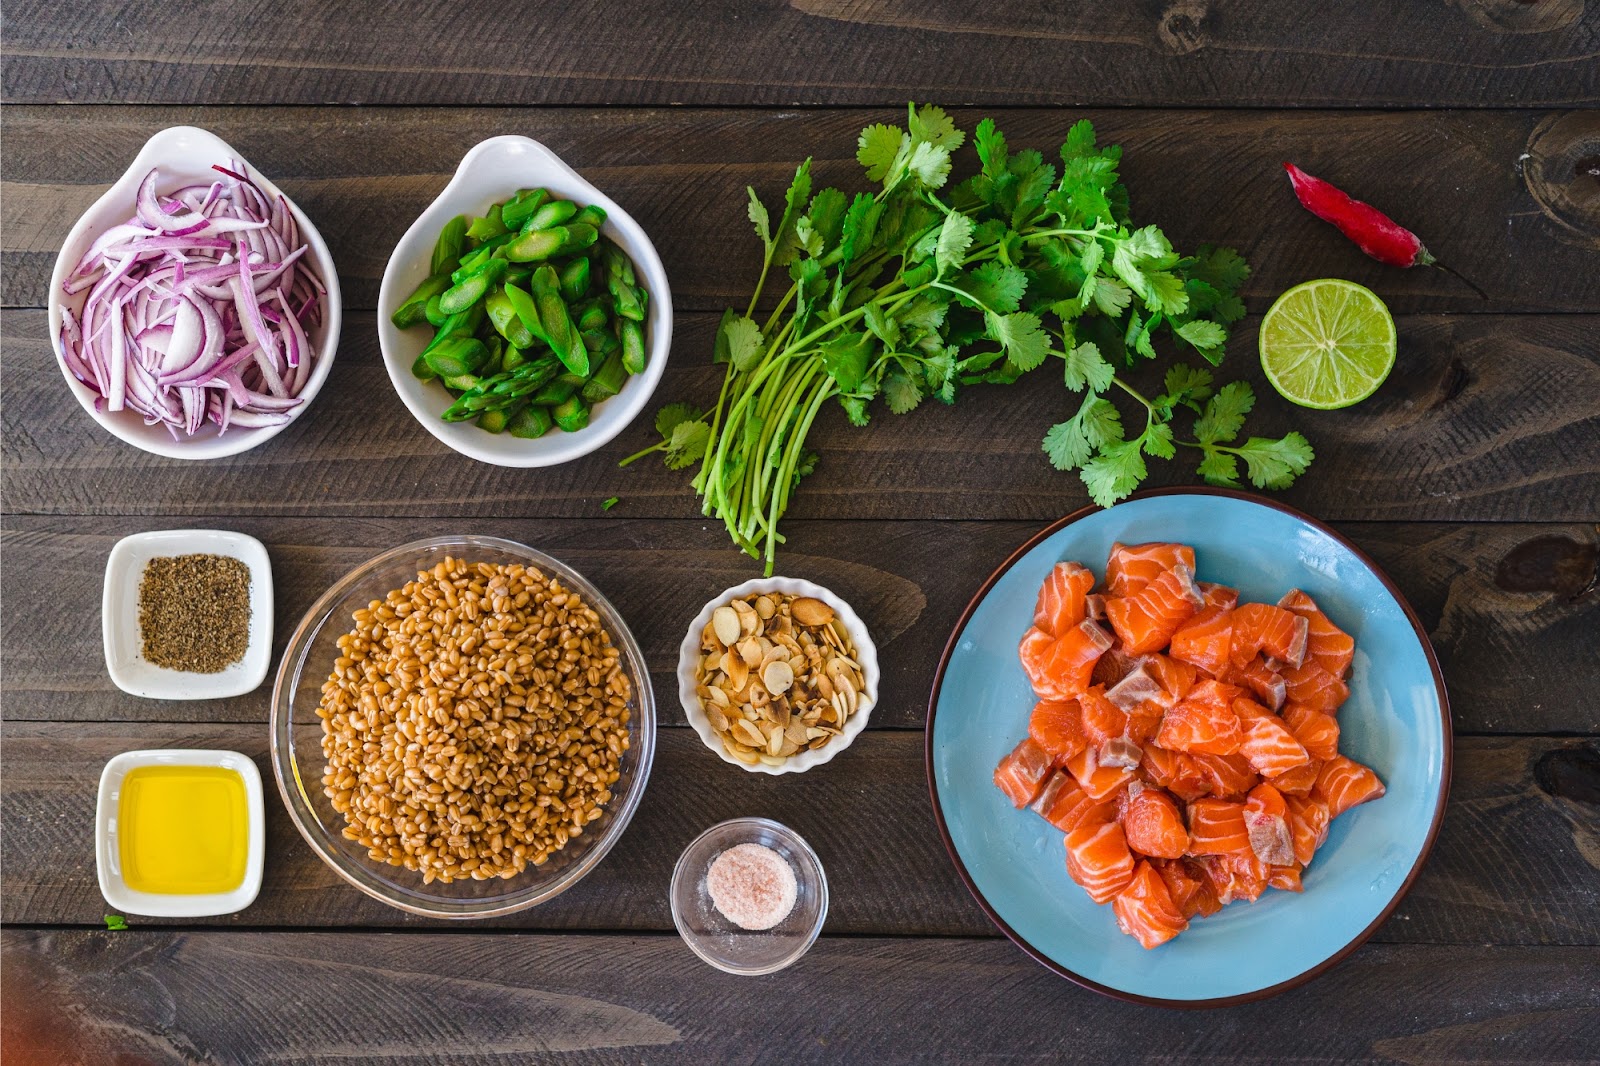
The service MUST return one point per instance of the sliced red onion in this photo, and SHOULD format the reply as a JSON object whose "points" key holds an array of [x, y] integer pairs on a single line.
{"points": [[197, 309]]}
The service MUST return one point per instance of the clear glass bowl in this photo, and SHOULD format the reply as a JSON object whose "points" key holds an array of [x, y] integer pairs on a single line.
{"points": [[720, 942], [298, 763]]}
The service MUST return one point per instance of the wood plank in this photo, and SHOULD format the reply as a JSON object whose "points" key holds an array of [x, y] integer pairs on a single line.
{"points": [[1511, 608], [1467, 428], [1522, 814], [1485, 53], [1501, 196], [163, 998]]}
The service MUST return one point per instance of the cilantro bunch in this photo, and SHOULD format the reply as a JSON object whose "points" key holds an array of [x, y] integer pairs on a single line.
{"points": [[919, 288]]}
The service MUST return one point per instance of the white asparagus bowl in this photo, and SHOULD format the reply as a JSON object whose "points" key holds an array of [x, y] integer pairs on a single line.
{"points": [[493, 170], [184, 155], [866, 653]]}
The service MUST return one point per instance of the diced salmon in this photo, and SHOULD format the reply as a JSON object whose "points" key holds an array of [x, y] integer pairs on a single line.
{"points": [[1255, 675], [1102, 719], [1286, 878], [1069, 662], [1311, 686], [1061, 598], [1232, 877], [1113, 666], [1176, 772], [1300, 780], [1204, 722], [1317, 732], [1154, 826], [1133, 566], [1177, 678], [1261, 627], [1098, 859], [1138, 689], [1073, 807], [1218, 595], [1270, 747], [1057, 727], [1094, 605], [1326, 644], [1249, 877], [1145, 910], [1308, 825], [1216, 827], [1098, 781], [1021, 774], [1145, 620], [1345, 783], [1266, 823], [1229, 775], [1188, 886], [1206, 641], [1050, 794], [1123, 752], [1033, 651]]}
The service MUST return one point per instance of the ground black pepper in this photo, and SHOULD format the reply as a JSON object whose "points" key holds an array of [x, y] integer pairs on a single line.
{"points": [[194, 612]]}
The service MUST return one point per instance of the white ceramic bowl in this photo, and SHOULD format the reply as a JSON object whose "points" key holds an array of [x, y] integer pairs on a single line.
{"points": [[185, 155], [107, 847], [492, 171], [119, 616], [866, 655]]}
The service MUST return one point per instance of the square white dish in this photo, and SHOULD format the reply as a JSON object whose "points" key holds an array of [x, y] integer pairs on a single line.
{"points": [[119, 616], [107, 855]]}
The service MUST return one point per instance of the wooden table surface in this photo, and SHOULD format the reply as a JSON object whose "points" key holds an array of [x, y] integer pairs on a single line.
{"points": [[1473, 476]]}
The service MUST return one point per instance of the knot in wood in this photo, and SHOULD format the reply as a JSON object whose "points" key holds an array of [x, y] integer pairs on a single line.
{"points": [[1182, 27], [1562, 172], [1523, 16]]}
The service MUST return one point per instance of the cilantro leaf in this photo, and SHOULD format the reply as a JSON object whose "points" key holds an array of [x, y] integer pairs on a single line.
{"points": [[1224, 414], [1080, 140], [1185, 385], [818, 232], [1219, 468], [674, 415], [991, 145], [1066, 445], [878, 149], [855, 409], [846, 359], [1114, 473], [955, 237], [687, 445], [610, 503], [1166, 293], [1202, 334], [1086, 366], [1094, 253], [901, 392], [1031, 192], [785, 243], [1097, 424], [859, 227], [929, 123], [1156, 440], [930, 163], [995, 285], [744, 343], [1110, 296], [1025, 341], [883, 327], [1222, 268], [759, 218], [1274, 464]]}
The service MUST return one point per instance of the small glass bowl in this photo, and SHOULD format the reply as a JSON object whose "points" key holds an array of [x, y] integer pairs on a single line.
{"points": [[720, 942], [298, 762]]}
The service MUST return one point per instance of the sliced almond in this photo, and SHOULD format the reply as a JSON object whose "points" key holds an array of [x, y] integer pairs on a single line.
{"points": [[749, 621], [789, 748], [718, 696], [814, 733], [718, 720], [735, 667], [823, 686], [771, 760], [759, 696], [811, 612], [775, 742], [725, 622], [765, 607], [778, 676], [780, 711], [771, 652], [750, 651], [744, 755], [708, 639], [748, 733]]}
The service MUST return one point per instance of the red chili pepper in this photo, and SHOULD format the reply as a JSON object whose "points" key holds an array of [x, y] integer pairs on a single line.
{"points": [[1374, 232]]}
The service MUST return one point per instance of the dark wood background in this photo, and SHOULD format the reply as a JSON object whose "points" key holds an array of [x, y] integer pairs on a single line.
{"points": [[1473, 476]]}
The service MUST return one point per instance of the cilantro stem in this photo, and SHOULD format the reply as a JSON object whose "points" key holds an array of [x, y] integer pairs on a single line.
{"points": [[658, 446]]}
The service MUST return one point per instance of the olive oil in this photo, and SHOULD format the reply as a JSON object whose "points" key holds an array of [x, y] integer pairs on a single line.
{"points": [[183, 830]]}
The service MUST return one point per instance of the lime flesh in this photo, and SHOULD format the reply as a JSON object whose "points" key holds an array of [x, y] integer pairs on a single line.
{"points": [[1327, 344]]}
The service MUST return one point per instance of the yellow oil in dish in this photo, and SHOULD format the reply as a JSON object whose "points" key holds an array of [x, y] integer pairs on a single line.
{"points": [[183, 830]]}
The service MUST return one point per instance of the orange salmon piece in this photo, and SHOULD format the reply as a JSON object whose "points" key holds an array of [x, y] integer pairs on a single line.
{"points": [[1032, 652], [1311, 686], [1255, 675], [1270, 747], [1068, 663], [1261, 626], [1326, 644], [1216, 827], [1113, 666], [1229, 775], [1102, 719], [1308, 825], [1021, 774], [1317, 732], [1345, 783], [1130, 567], [1300, 780], [1217, 595], [1145, 910], [1153, 825], [1098, 859], [1286, 878], [1097, 780], [1061, 603], [1176, 677], [1073, 808], [1057, 727], [1175, 772], [1266, 822], [1188, 886], [1146, 620], [1203, 723], [1206, 641]]}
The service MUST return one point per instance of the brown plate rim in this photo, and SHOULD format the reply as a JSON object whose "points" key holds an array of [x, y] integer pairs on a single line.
{"points": [[1360, 938]]}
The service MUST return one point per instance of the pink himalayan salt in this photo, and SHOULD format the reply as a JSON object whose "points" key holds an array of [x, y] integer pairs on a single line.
{"points": [[752, 886]]}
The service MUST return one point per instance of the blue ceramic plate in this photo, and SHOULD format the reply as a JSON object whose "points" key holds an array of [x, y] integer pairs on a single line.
{"points": [[1397, 721]]}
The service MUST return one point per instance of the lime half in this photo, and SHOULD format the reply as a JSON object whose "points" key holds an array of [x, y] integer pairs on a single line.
{"points": [[1327, 344]]}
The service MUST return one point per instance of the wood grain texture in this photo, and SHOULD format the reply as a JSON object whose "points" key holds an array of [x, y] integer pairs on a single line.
{"points": [[160, 998], [1517, 862], [1485, 418], [1516, 646], [1492, 194], [1471, 53]]}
